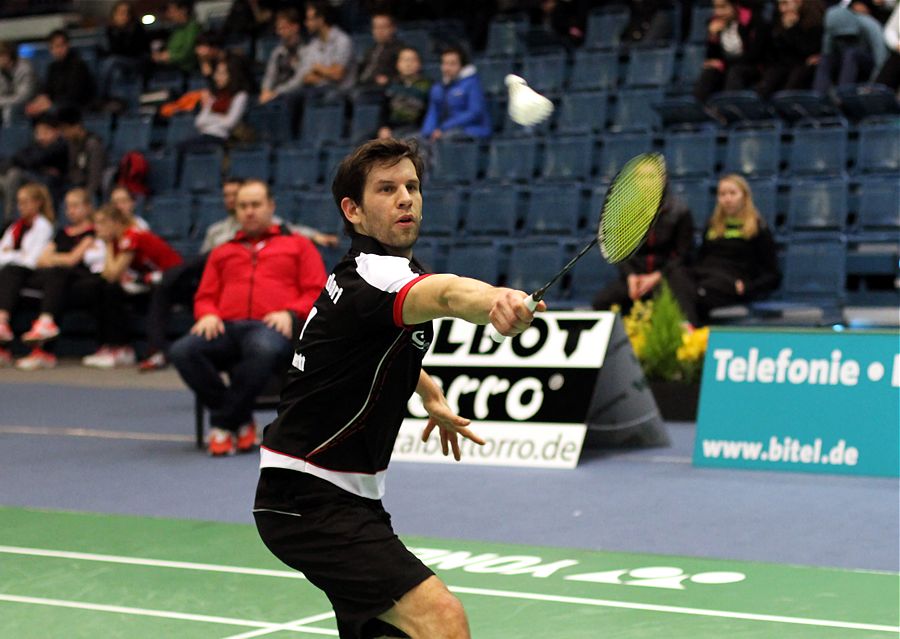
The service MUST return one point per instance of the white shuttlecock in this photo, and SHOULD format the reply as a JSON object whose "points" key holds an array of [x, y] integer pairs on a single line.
{"points": [[526, 106]]}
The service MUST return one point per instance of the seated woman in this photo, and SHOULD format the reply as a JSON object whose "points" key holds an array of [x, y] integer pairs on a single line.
{"points": [[21, 245], [737, 261], [221, 110], [135, 261], [794, 48], [406, 98], [66, 274]]}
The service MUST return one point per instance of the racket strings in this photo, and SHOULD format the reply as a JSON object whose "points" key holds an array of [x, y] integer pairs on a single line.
{"points": [[631, 206]]}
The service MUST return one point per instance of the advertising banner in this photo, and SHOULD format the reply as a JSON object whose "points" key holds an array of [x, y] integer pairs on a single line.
{"points": [[527, 396], [820, 401]]}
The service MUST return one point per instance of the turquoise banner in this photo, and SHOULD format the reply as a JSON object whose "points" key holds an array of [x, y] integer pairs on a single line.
{"points": [[819, 401]]}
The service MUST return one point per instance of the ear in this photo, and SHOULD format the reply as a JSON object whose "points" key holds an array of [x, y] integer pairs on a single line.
{"points": [[351, 210]]}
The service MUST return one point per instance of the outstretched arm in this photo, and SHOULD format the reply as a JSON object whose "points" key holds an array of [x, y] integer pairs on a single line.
{"points": [[441, 416]]}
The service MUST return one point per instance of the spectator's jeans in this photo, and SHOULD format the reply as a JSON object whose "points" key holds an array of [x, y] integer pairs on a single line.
{"points": [[249, 351], [853, 64]]}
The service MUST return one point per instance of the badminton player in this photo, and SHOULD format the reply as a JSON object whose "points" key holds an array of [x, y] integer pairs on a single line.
{"points": [[359, 358]]}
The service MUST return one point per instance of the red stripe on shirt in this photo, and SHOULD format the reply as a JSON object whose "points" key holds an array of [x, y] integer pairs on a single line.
{"points": [[401, 297]]}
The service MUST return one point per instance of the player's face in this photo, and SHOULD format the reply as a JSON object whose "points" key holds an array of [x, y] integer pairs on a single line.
{"points": [[730, 197], [255, 209], [391, 210]]}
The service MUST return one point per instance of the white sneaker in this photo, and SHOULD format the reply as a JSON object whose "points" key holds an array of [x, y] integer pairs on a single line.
{"points": [[124, 356], [37, 359], [111, 357]]}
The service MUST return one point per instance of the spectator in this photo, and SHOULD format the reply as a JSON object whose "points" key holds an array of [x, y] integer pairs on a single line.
{"points": [[21, 245], [249, 17], [736, 42], [406, 98], [649, 21], [283, 69], [179, 49], [68, 82], [87, 153], [210, 50], [889, 75], [121, 198], [179, 283], [255, 290], [326, 61], [127, 47], [66, 275], [17, 82], [456, 105], [221, 111], [554, 23], [135, 260], [45, 160], [796, 43], [379, 64], [737, 261], [852, 48], [664, 255]]}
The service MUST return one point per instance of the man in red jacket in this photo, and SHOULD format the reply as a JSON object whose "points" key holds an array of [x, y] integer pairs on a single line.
{"points": [[254, 290]]}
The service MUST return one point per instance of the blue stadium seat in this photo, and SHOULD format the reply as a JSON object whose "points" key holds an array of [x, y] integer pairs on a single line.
{"points": [[765, 197], [129, 91], [634, 109], [317, 209], [201, 171], [554, 209], [582, 112], [181, 127], [512, 159], [264, 47], [419, 39], [532, 263], [819, 150], [699, 195], [322, 123], [588, 276], [480, 260], [604, 28], [803, 105], [250, 162], [618, 148], [700, 15], [818, 205], [165, 80], [456, 160], [815, 271], [333, 154], [879, 207], [442, 211], [493, 210], [430, 254], [170, 216], [492, 72], [13, 137], [679, 111], [740, 106], [753, 152], [546, 73], [862, 101], [690, 65], [364, 121], [504, 39], [878, 149], [132, 134], [162, 175], [594, 70], [690, 153], [100, 124], [296, 167], [209, 209], [653, 67], [271, 121], [568, 157]]}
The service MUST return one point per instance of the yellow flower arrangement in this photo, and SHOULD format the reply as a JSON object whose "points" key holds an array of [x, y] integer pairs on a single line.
{"points": [[667, 347]]}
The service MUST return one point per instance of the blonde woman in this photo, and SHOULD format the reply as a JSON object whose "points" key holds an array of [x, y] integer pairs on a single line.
{"points": [[20, 247], [737, 261]]}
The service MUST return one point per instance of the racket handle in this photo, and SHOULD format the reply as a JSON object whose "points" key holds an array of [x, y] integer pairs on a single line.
{"points": [[497, 337]]}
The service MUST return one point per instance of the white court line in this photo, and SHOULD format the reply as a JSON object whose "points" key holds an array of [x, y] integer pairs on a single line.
{"points": [[508, 594], [291, 625], [94, 432]]}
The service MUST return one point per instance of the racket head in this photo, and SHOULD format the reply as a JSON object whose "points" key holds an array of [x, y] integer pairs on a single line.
{"points": [[631, 206]]}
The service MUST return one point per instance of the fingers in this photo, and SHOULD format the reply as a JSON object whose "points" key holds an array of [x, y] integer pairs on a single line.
{"points": [[510, 315]]}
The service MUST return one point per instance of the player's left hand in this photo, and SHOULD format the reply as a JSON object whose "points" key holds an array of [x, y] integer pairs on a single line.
{"points": [[450, 424]]}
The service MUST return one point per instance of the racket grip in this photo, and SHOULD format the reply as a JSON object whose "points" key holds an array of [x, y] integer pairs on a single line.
{"points": [[496, 336]]}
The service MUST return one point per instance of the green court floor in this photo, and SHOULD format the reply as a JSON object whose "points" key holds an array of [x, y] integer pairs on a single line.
{"points": [[73, 575]]}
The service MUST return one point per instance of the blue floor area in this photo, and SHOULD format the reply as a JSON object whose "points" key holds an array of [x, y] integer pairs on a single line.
{"points": [[650, 501]]}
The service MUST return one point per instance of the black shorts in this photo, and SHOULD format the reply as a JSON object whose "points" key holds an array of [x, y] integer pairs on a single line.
{"points": [[342, 543]]}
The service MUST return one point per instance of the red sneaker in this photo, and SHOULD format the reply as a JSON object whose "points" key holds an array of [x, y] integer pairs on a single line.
{"points": [[220, 442], [38, 358], [41, 331], [246, 438], [155, 362]]}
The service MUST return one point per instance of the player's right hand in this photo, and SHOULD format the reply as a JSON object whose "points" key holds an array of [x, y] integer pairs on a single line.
{"points": [[509, 315]]}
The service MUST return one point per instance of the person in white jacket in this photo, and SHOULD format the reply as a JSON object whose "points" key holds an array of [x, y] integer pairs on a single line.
{"points": [[220, 112], [20, 247], [17, 82]]}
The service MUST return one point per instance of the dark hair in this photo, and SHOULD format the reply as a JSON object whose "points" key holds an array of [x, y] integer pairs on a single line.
{"points": [[69, 115], [322, 9], [384, 13], [9, 49], [290, 14], [184, 5], [459, 51], [350, 179], [131, 16], [48, 119], [210, 39], [58, 33], [233, 180]]}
